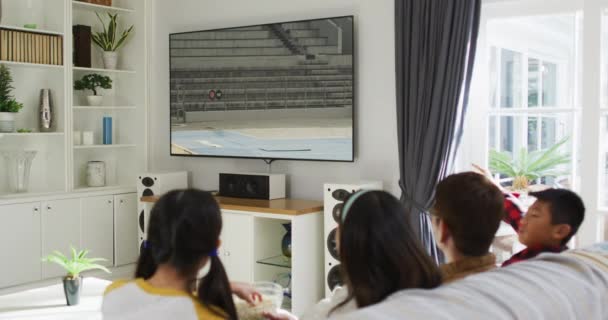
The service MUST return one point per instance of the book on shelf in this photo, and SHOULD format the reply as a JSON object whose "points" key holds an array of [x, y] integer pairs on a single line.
{"points": [[30, 47]]}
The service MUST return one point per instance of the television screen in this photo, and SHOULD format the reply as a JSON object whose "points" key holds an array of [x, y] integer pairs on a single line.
{"points": [[272, 91]]}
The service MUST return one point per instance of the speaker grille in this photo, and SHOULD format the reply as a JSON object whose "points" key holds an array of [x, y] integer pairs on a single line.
{"points": [[331, 244], [148, 193], [334, 278], [340, 194], [147, 181]]}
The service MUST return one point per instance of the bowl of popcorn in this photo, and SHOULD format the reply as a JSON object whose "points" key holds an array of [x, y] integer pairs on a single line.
{"points": [[272, 298]]}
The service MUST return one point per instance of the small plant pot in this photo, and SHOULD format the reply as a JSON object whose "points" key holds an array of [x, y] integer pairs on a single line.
{"points": [[110, 59], [72, 288], [94, 100], [7, 121]]}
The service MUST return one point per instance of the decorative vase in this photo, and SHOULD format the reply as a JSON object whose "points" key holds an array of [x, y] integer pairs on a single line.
{"points": [[71, 288], [19, 164], [46, 111], [110, 59], [107, 130], [94, 100], [286, 242], [7, 121], [96, 174]]}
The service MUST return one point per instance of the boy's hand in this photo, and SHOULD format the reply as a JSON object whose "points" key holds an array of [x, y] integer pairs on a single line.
{"points": [[246, 292], [485, 172]]}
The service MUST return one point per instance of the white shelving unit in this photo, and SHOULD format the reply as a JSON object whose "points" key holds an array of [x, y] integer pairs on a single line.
{"points": [[59, 165]]}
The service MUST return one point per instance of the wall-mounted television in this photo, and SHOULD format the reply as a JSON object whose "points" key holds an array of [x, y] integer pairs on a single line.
{"points": [[270, 91]]}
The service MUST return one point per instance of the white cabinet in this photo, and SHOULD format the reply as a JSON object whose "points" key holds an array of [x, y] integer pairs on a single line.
{"points": [[60, 230], [97, 227], [19, 243], [236, 250], [125, 229]]}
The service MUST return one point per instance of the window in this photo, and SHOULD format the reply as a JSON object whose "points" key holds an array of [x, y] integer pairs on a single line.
{"points": [[531, 107]]}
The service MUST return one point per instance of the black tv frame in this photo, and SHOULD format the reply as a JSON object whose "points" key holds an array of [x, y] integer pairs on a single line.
{"points": [[270, 160]]}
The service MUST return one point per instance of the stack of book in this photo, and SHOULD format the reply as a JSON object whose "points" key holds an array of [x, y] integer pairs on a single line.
{"points": [[30, 47]]}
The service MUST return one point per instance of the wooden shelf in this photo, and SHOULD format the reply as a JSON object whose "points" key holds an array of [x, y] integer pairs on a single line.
{"points": [[103, 70], [32, 65], [293, 207], [92, 108], [42, 31], [96, 7], [104, 146]]}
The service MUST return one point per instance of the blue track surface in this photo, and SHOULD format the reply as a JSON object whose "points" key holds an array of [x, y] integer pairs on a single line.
{"points": [[234, 144]]}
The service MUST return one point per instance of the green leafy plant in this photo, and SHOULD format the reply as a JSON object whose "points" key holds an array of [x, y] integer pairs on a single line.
{"points": [[7, 102], [24, 130], [93, 82], [77, 264], [529, 165], [107, 40]]}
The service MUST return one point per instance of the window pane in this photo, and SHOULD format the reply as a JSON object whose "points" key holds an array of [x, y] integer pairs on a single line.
{"points": [[548, 132], [510, 79], [549, 72], [532, 134], [494, 52], [533, 82], [521, 132], [493, 127]]}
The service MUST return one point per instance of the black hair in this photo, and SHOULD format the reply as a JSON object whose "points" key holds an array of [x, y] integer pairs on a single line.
{"points": [[379, 252], [184, 228], [565, 206]]}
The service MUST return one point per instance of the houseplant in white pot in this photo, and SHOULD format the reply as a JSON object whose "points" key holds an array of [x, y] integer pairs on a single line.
{"points": [[8, 105], [109, 41], [93, 82], [75, 265]]}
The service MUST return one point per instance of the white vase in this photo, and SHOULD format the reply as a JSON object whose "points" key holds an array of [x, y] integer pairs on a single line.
{"points": [[96, 174], [19, 163], [94, 100], [7, 121], [110, 59]]}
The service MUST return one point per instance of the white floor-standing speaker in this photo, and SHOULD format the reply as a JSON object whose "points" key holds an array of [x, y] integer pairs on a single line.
{"points": [[334, 195], [155, 184]]}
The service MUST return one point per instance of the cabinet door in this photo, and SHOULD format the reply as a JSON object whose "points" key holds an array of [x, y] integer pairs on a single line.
{"points": [[97, 227], [236, 249], [125, 229], [60, 231], [20, 243]]}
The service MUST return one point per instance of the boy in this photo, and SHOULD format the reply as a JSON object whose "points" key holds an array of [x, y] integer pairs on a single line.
{"points": [[548, 225], [465, 217]]}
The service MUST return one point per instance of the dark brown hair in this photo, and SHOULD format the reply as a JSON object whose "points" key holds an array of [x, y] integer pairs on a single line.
{"points": [[184, 228], [565, 207], [472, 208], [379, 252]]}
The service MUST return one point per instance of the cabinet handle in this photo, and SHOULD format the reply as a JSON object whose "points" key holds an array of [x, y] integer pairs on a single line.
{"points": [[227, 253], [36, 210], [48, 207], [110, 201], [122, 201]]}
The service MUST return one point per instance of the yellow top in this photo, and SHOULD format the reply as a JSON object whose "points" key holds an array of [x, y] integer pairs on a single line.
{"points": [[202, 312]]}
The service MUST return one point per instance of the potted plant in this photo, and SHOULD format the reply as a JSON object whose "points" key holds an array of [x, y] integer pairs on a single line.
{"points": [[75, 265], [108, 40], [8, 105], [529, 166], [93, 82]]}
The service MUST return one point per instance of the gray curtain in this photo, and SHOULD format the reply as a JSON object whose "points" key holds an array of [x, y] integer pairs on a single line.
{"points": [[435, 50]]}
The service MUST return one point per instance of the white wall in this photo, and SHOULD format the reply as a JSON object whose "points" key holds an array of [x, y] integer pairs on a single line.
{"points": [[376, 139]]}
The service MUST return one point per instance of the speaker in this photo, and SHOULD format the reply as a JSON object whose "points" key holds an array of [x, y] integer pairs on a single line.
{"points": [[334, 196], [155, 184], [252, 185]]}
